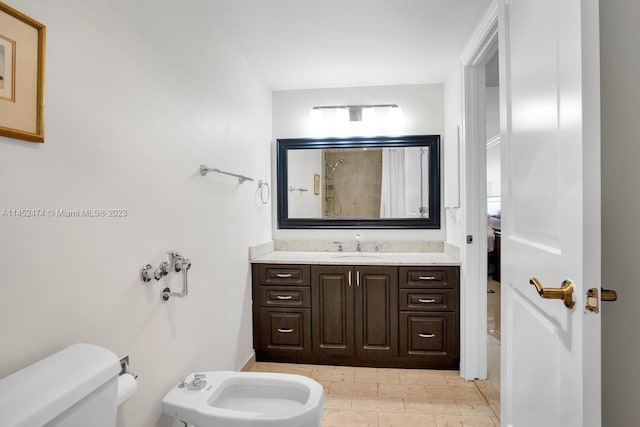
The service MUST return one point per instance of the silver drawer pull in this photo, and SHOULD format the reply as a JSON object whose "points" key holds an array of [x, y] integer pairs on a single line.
{"points": [[285, 331], [284, 296], [283, 275], [426, 335], [426, 300], [427, 277]]}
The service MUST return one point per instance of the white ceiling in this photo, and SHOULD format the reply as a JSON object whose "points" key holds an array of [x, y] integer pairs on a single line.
{"points": [[304, 44]]}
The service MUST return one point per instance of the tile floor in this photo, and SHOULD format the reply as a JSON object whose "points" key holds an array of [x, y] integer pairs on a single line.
{"points": [[376, 397]]}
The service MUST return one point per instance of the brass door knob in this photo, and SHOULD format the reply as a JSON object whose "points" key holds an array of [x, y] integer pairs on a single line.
{"points": [[564, 292]]}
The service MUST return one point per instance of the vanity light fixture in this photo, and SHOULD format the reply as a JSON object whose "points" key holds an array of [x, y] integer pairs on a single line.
{"points": [[353, 113]]}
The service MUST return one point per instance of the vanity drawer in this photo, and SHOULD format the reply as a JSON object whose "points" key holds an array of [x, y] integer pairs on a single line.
{"points": [[429, 277], [424, 300], [280, 274], [284, 296], [283, 329], [428, 335]]}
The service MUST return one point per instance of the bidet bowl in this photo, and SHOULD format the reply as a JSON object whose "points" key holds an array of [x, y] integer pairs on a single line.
{"points": [[249, 399]]}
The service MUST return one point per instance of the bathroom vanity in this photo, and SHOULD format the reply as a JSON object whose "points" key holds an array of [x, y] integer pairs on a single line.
{"points": [[383, 310]]}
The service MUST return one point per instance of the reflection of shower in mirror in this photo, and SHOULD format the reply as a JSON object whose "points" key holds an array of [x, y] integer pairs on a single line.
{"points": [[332, 203], [333, 168]]}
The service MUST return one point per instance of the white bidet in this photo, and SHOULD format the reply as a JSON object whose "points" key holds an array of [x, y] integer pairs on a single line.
{"points": [[246, 399]]}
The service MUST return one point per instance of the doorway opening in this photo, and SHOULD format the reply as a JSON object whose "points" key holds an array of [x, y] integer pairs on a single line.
{"points": [[494, 217]]}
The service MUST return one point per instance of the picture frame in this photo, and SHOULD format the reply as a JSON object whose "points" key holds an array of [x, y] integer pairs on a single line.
{"points": [[316, 184], [22, 54]]}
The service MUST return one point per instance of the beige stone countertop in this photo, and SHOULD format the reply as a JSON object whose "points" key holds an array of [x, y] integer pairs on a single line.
{"points": [[356, 258]]}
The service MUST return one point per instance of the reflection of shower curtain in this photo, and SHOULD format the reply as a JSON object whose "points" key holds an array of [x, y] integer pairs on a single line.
{"points": [[392, 191], [416, 172]]}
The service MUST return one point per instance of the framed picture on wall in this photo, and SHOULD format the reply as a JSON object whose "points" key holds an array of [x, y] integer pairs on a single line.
{"points": [[22, 42]]}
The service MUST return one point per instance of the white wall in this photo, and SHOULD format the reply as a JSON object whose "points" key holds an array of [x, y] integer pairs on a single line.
{"points": [[138, 95], [423, 114], [494, 186], [454, 158], [620, 211], [492, 114], [303, 165], [492, 111]]}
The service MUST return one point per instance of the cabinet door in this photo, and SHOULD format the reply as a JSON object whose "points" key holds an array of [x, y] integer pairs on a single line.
{"points": [[332, 310], [376, 311]]}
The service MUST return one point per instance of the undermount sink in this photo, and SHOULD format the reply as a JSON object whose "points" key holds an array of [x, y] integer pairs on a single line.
{"points": [[358, 255]]}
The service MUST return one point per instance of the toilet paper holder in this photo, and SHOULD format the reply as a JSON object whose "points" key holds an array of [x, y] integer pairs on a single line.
{"points": [[124, 367]]}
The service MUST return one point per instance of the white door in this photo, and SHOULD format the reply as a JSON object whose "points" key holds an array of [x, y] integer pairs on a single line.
{"points": [[551, 212]]}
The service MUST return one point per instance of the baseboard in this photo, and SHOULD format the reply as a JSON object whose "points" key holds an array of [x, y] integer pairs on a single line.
{"points": [[249, 364]]}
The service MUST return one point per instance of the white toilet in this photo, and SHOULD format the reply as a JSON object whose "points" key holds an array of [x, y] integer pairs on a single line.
{"points": [[246, 399], [76, 387]]}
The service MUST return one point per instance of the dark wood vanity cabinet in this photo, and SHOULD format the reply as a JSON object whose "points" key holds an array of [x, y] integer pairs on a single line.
{"points": [[354, 311], [382, 316]]}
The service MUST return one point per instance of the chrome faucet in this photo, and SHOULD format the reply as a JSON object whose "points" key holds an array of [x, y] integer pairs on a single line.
{"points": [[358, 243]]}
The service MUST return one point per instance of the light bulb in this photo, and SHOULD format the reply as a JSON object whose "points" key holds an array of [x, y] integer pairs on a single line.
{"points": [[342, 115], [369, 115]]}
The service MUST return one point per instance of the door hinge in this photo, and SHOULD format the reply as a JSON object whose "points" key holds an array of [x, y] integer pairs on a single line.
{"points": [[469, 239]]}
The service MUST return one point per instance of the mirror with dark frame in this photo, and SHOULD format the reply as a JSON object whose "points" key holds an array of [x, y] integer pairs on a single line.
{"points": [[359, 182]]}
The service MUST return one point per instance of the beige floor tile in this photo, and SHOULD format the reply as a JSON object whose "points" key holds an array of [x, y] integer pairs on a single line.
{"points": [[368, 377], [454, 392], [365, 369], [292, 368], [400, 370], [353, 389], [333, 375], [378, 404], [402, 390], [420, 378], [488, 389], [469, 407], [398, 419], [466, 421], [458, 380], [337, 402], [495, 405], [332, 368], [261, 367], [348, 418], [432, 406]]}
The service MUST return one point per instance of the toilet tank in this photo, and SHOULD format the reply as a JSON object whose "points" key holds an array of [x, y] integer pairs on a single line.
{"points": [[76, 387]]}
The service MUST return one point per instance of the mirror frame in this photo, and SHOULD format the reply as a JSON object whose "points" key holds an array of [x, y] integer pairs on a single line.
{"points": [[284, 145]]}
